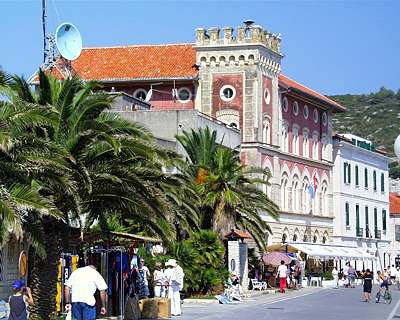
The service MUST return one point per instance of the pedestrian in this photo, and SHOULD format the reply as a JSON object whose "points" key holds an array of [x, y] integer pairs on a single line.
{"points": [[143, 275], [159, 280], [393, 273], [383, 283], [351, 273], [175, 277], [18, 302], [282, 274], [346, 275], [367, 285], [79, 293], [335, 275]]}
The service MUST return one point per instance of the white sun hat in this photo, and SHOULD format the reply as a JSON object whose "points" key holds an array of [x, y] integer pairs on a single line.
{"points": [[171, 262]]}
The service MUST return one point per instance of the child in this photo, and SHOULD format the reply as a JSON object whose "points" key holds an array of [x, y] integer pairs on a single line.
{"points": [[18, 301], [367, 287]]}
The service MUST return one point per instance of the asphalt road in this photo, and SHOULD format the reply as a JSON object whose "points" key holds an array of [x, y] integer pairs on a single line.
{"points": [[305, 304]]}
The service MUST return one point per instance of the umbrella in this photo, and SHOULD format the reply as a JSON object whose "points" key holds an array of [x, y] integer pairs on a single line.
{"points": [[275, 258]]}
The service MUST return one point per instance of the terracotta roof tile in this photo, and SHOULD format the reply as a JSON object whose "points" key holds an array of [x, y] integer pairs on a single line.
{"points": [[136, 62], [394, 200], [289, 83], [165, 61]]}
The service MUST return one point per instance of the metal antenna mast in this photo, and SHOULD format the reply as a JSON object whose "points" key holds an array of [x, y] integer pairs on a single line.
{"points": [[44, 22]]}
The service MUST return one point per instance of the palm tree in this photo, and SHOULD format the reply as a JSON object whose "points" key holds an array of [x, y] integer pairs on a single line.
{"points": [[230, 193], [114, 167]]}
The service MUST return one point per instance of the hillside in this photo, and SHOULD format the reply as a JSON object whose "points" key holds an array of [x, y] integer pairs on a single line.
{"points": [[374, 116]]}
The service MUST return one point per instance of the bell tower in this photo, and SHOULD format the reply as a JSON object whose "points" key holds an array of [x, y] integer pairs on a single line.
{"points": [[238, 78]]}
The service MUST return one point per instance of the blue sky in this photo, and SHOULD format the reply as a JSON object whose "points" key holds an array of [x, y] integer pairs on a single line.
{"points": [[334, 47]]}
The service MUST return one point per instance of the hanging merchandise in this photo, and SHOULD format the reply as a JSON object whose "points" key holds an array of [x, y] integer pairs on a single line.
{"points": [[67, 264]]}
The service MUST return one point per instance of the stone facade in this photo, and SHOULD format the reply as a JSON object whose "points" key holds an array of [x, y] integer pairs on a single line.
{"points": [[9, 258], [265, 114]]}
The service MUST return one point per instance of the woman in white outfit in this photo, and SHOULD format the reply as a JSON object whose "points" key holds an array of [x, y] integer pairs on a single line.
{"points": [[174, 275], [159, 281], [335, 274]]}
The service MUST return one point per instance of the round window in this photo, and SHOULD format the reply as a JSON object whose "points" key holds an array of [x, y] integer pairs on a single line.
{"points": [[285, 104], [227, 93], [267, 96], [184, 95], [305, 111], [295, 108], [315, 115], [324, 119], [140, 94]]}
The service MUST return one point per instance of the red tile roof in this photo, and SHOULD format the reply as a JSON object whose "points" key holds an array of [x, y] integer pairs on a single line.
{"points": [[238, 234], [288, 83], [137, 62], [394, 200], [165, 61]]}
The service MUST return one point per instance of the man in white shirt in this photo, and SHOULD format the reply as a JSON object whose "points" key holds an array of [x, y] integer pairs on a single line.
{"points": [[393, 273], [282, 274], [80, 289]]}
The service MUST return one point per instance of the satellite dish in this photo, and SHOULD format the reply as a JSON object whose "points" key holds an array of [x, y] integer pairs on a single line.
{"points": [[68, 41], [397, 147], [149, 95]]}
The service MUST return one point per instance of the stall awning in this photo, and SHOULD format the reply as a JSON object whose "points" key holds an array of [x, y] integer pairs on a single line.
{"points": [[329, 251]]}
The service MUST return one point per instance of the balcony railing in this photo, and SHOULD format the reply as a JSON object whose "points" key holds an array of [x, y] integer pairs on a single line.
{"points": [[359, 232], [378, 234]]}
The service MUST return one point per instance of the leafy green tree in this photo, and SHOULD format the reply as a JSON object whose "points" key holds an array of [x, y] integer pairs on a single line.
{"points": [[230, 193], [96, 165]]}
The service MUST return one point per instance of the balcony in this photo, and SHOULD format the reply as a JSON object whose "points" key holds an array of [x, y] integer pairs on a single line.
{"points": [[378, 234], [359, 232]]}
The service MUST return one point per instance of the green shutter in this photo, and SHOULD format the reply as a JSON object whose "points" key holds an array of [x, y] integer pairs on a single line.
{"points": [[375, 219], [384, 220], [382, 182], [357, 217], [374, 180], [347, 209], [344, 172], [366, 178], [349, 179], [357, 180]]}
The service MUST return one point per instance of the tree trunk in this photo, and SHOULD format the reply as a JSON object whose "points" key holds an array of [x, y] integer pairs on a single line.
{"points": [[221, 221], [43, 275]]}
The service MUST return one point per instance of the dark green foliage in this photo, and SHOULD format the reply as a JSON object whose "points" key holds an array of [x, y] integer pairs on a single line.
{"points": [[374, 116], [202, 259], [231, 194], [394, 170]]}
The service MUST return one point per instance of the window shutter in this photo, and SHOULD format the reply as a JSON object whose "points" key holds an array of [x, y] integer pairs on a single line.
{"points": [[349, 179]]}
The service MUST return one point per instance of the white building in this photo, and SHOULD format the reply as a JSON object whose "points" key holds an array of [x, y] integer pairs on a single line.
{"points": [[361, 198], [394, 228]]}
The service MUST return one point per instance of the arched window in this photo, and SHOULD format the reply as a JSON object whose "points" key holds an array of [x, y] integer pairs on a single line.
{"points": [[305, 238], [305, 198], [315, 146], [295, 238], [284, 238], [284, 193], [324, 199], [266, 135], [324, 151], [315, 201], [306, 145], [315, 239], [295, 141], [295, 194], [285, 138], [323, 239], [267, 188]]}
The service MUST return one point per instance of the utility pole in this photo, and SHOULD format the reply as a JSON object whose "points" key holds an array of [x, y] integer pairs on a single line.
{"points": [[44, 19]]}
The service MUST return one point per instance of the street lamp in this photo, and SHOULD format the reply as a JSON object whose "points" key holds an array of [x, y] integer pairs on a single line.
{"points": [[397, 147]]}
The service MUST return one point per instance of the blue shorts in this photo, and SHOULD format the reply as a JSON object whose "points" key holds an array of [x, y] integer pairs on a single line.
{"points": [[83, 311]]}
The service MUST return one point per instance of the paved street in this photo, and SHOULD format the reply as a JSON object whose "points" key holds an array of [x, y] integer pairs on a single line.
{"points": [[306, 304]]}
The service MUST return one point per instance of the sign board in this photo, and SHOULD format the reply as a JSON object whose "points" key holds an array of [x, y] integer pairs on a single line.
{"points": [[23, 264]]}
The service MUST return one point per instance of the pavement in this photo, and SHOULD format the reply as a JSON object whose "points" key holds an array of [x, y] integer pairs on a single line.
{"points": [[304, 304]]}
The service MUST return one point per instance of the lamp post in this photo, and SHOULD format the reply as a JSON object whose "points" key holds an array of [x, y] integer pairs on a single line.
{"points": [[397, 147]]}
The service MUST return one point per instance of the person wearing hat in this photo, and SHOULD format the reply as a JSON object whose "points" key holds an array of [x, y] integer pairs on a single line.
{"points": [[19, 300], [175, 276]]}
